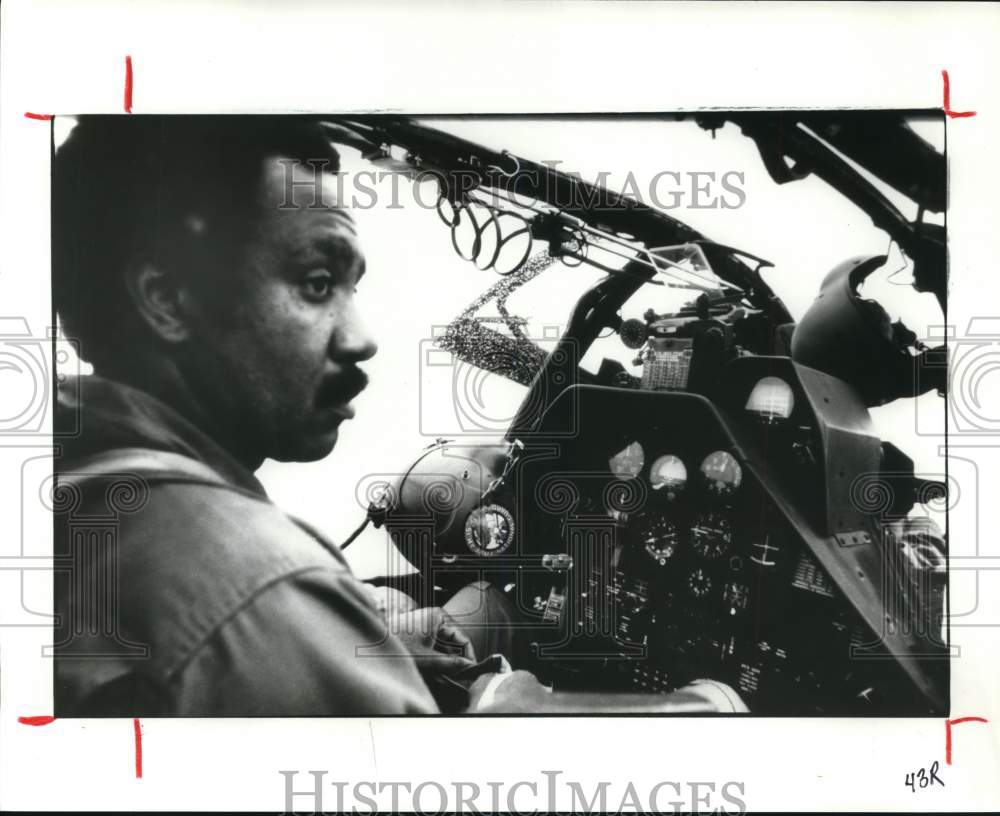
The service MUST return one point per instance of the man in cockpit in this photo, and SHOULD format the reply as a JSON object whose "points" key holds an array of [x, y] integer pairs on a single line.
{"points": [[216, 296]]}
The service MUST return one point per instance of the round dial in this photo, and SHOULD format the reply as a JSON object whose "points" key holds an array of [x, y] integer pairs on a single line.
{"points": [[722, 473], [668, 475], [659, 537], [699, 583], [633, 333], [711, 535], [628, 462], [489, 530]]}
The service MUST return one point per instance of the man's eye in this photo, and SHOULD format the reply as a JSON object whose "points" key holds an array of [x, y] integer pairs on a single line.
{"points": [[318, 285]]}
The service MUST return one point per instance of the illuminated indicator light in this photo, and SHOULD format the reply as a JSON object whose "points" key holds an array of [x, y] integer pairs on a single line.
{"points": [[628, 462], [722, 473], [668, 473], [771, 399]]}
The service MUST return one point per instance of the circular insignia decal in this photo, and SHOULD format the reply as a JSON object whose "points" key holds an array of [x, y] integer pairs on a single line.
{"points": [[489, 530]]}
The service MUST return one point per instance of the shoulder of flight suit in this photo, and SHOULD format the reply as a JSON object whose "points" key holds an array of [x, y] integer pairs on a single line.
{"points": [[223, 605]]}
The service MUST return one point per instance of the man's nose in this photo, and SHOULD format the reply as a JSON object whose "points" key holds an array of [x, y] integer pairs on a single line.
{"points": [[351, 339]]}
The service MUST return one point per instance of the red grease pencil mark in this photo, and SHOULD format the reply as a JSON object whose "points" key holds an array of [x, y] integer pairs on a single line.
{"points": [[36, 720], [947, 100], [947, 733], [128, 89], [45, 117], [137, 728]]}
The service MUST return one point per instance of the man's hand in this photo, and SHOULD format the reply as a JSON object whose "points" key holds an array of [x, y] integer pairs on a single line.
{"points": [[517, 692], [434, 640]]}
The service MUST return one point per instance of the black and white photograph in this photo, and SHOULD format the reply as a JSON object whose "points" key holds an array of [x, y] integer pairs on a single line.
{"points": [[690, 509]]}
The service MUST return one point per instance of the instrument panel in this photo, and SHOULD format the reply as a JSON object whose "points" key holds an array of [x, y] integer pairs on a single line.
{"points": [[684, 566], [702, 579]]}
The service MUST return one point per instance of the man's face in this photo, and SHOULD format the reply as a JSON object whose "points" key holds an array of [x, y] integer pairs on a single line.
{"points": [[274, 355]]}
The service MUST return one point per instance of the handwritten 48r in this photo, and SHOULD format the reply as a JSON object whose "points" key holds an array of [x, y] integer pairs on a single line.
{"points": [[923, 778]]}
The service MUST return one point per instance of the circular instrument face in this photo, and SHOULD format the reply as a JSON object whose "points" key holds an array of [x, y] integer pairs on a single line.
{"points": [[711, 535], [633, 333], [699, 583], [489, 530], [668, 475], [659, 537], [628, 462], [722, 473]]}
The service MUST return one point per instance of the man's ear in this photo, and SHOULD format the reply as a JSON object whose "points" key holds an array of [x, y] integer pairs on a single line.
{"points": [[161, 300]]}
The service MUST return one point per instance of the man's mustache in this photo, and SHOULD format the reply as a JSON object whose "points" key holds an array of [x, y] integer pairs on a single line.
{"points": [[344, 387]]}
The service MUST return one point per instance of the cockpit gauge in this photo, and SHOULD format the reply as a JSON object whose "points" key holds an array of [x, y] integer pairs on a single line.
{"points": [[722, 473], [735, 595], [658, 535], [711, 535], [700, 583], [628, 462], [489, 530], [668, 475], [633, 333], [771, 400]]}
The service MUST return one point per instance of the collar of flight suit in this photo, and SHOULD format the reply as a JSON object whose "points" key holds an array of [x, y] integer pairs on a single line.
{"points": [[95, 415]]}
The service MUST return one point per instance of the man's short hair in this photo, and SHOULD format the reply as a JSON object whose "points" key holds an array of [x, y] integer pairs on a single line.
{"points": [[124, 189]]}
